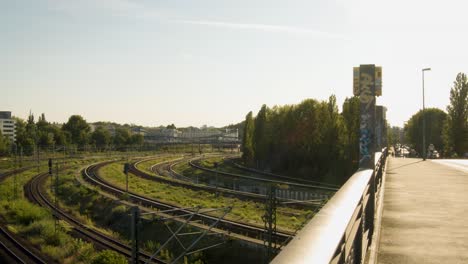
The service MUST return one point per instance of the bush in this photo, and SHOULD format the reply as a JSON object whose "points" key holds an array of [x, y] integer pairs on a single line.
{"points": [[25, 213], [109, 257]]}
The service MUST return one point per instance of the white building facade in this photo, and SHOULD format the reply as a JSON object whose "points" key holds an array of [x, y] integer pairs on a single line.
{"points": [[7, 125]]}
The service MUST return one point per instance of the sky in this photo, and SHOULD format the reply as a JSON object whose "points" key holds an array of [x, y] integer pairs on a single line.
{"points": [[210, 62]]}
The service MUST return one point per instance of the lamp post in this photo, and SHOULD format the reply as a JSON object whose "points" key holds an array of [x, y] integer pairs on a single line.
{"points": [[424, 116]]}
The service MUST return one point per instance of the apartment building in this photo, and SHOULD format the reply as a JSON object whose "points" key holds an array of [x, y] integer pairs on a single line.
{"points": [[7, 125]]}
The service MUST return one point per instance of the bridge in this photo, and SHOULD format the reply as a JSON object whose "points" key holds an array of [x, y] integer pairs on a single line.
{"points": [[420, 217], [392, 210]]}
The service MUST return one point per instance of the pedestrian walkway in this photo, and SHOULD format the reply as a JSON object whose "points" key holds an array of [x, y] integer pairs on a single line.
{"points": [[425, 213]]}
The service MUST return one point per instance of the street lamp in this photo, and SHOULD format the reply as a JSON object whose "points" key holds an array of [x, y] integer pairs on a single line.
{"points": [[424, 116]]}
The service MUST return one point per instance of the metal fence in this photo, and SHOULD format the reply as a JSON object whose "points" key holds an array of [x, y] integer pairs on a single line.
{"points": [[342, 230]]}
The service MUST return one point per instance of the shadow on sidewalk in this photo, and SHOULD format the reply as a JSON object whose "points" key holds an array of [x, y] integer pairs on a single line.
{"points": [[409, 164]]}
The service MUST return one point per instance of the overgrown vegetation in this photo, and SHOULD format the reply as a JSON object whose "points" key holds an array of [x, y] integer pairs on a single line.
{"points": [[246, 211], [38, 226]]}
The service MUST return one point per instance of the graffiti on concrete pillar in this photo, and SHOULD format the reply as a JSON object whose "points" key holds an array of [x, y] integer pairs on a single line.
{"points": [[365, 139], [367, 100]]}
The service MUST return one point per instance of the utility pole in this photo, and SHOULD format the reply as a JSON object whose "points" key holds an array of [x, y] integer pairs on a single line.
{"points": [[424, 116], [269, 219], [15, 168], [135, 211], [38, 161], [126, 169], [56, 193]]}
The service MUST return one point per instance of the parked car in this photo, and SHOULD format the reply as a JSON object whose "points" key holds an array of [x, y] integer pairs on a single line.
{"points": [[433, 154]]}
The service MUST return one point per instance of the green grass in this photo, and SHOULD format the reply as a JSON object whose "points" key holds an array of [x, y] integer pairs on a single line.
{"points": [[146, 165], [38, 226], [245, 211]]}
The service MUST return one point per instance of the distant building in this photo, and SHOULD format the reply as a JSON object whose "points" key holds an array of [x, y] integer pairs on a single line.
{"points": [[195, 133], [8, 125], [138, 131]]}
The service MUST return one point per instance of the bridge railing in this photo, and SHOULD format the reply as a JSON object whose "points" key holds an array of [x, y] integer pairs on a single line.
{"points": [[341, 232]]}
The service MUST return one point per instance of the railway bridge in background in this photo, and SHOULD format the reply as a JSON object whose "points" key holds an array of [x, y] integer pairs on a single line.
{"points": [[405, 211]]}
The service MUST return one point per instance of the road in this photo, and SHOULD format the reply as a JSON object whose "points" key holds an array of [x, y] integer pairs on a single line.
{"points": [[459, 164]]}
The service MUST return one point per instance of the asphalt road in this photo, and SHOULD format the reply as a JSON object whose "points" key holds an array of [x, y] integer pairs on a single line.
{"points": [[459, 164]]}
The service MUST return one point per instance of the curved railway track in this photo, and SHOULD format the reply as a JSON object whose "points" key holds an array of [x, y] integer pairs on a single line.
{"points": [[17, 251], [163, 169], [300, 185], [33, 190], [269, 174], [255, 232]]}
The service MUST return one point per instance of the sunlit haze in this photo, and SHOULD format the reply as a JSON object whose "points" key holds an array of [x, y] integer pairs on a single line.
{"points": [[202, 62]]}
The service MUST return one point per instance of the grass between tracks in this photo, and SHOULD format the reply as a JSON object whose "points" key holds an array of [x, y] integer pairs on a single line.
{"points": [[38, 226], [146, 165], [244, 211]]}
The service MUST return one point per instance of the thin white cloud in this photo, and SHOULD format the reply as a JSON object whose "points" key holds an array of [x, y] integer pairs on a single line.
{"points": [[122, 8], [263, 27]]}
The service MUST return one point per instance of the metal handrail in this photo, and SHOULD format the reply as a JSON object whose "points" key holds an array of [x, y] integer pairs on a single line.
{"points": [[342, 230]]}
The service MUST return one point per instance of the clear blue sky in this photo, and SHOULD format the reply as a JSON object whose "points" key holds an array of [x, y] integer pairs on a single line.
{"points": [[210, 62]]}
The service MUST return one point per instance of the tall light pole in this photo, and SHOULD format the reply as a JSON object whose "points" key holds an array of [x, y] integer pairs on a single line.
{"points": [[424, 116]]}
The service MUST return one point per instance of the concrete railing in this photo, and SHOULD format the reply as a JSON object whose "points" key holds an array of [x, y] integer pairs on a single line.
{"points": [[342, 230]]}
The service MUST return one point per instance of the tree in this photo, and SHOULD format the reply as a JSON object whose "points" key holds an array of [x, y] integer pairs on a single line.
{"points": [[4, 145], [351, 117], [171, 126], [101, 137], [136, 139], [24, 139], [435, 119], [247, 140], [78, 130], [121, 137], [260, 137], [455, 132]]}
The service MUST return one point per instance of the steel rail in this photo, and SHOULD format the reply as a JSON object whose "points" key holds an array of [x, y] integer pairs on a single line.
{"points": [[281, 176], [33, 189], [198, 187], [332, 189], [229, 225], [31, 257]]}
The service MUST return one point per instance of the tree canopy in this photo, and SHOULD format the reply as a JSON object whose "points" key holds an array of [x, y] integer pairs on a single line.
{"points": [[435, 119], [455, 132], [308, 140]]}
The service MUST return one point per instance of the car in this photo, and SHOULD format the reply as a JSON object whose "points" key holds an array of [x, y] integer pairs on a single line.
{"points": [[433, 154]]}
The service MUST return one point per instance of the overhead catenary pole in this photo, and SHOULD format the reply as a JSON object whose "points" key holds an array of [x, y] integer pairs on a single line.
{"points": [[135, 211]]}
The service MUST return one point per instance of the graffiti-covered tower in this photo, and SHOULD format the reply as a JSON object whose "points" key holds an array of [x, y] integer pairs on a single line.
{"points": [[367, 84]]}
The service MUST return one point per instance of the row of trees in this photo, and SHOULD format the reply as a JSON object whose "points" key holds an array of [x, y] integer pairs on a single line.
{"points": [[75, 132], [310, 140], [448, 132]]}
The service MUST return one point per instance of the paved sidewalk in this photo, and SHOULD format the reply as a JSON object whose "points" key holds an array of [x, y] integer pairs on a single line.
{"points": [[425, 217]]}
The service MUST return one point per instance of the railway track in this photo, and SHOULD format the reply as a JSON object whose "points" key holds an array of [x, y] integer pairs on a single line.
{"points": [[300, 185], [269, 174], [251, 231], [16, 251], [7, 174], [33, 191], [165, 169]]}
